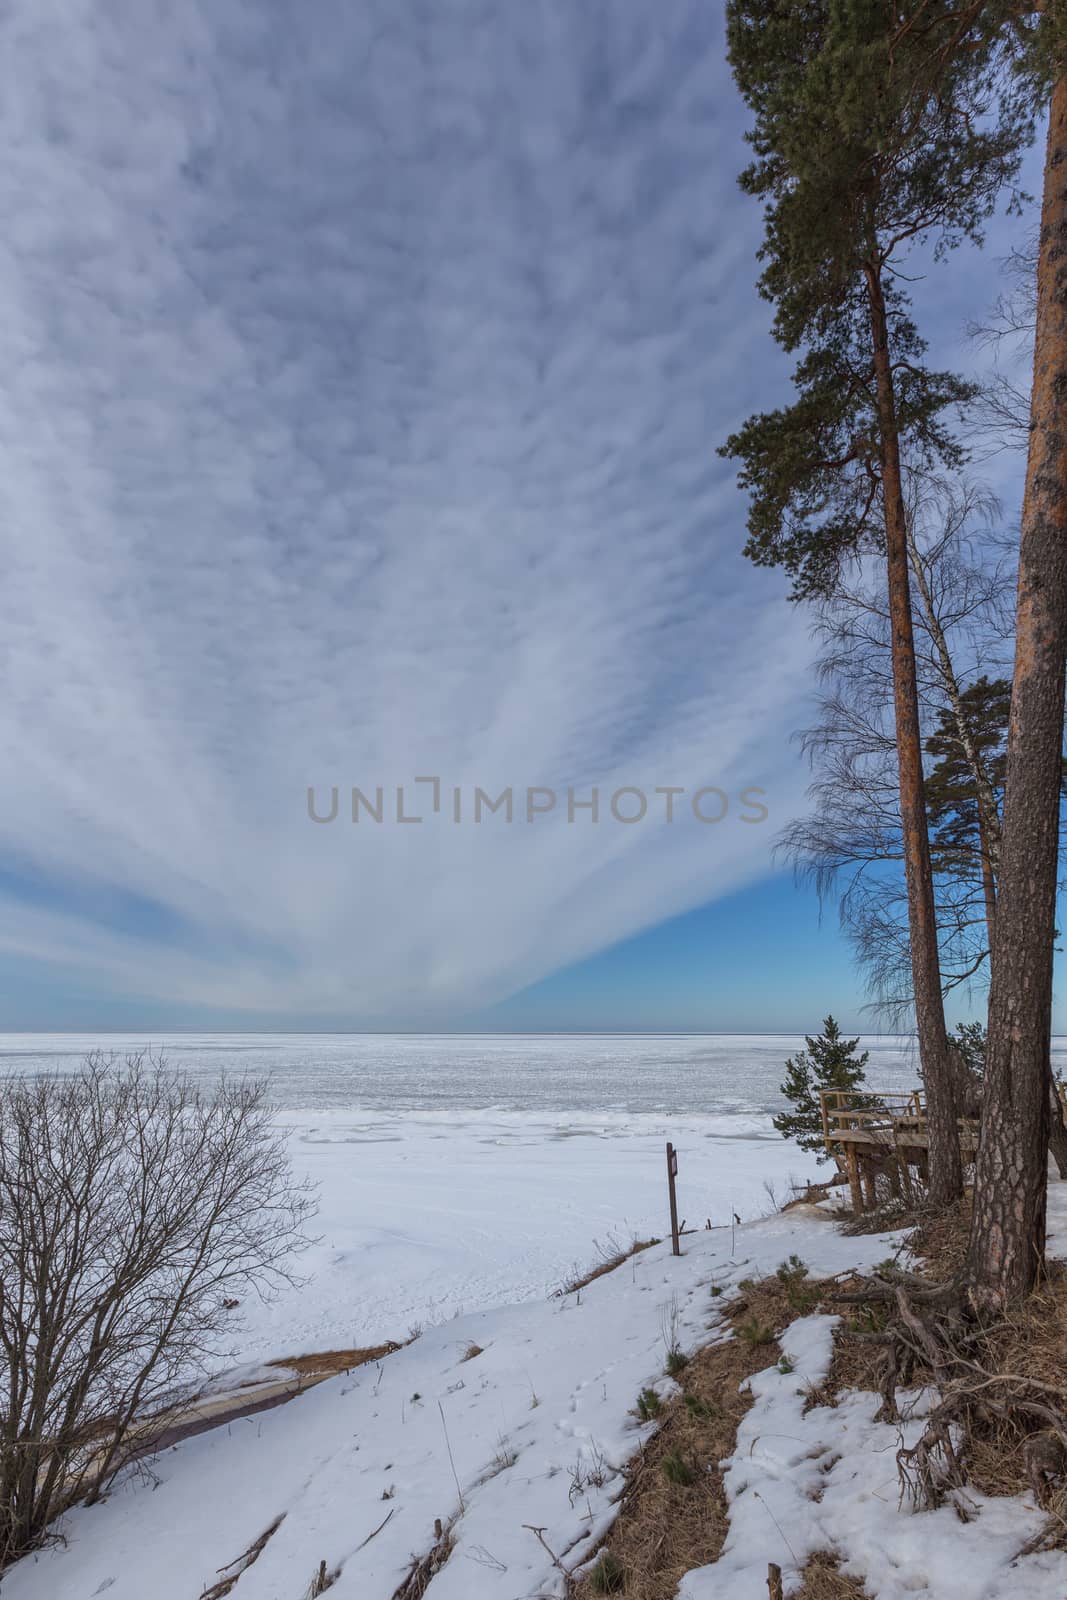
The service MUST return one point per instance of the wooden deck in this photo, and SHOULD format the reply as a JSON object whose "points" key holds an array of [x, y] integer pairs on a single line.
{"points": [[871, 1134]]}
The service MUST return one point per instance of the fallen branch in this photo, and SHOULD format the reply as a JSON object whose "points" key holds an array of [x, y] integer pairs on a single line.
{"points": [[375, 1534]]}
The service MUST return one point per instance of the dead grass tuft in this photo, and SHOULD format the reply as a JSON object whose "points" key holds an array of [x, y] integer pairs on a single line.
{"points": [[941, 1241], [1004, 1459], [892, 1213], [611, 1257], [322, 1581], [425, 1568], [854, 1364], [234, 1569], [326, 1363], [824, 1580], [811, 1195]]}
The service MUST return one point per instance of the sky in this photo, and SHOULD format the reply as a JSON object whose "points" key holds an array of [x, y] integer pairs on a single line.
{"points": [[364, 369]]}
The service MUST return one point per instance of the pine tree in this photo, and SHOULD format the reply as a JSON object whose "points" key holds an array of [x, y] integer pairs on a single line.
{"points": [[878, 125], [829, 1062], [971, 1044]]}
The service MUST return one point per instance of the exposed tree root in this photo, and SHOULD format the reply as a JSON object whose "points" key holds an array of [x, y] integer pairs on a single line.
{"points": [[1001, 1398]]}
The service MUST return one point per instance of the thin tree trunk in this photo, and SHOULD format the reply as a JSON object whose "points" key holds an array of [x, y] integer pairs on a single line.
{"points": [[946, 1172], [989, 882], [985, 798], [1008, 1226], [1057, 1137]]}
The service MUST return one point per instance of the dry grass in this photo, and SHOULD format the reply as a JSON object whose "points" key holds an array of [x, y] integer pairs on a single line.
{"points": [[1030, 1344], [941, 1241], [326, 1363], [667, 1526], [425, 1568], [664, 1529], [610, 1259], [824, 1580], [812, 1195], [854, 1365], [892, 1212], [323, 1580], [235, 1568]]}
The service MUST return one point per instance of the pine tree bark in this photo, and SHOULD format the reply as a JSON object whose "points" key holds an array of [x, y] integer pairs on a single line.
{"points": [[946, 1170], [1008, 1225]]}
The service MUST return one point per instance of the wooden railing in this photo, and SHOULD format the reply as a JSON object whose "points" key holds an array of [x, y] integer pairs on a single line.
{"points": [[869, 1132], [868, 1111]]}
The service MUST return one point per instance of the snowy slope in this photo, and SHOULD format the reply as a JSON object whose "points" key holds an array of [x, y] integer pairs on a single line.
{"points": [[534, 1431], [555, 1386]]}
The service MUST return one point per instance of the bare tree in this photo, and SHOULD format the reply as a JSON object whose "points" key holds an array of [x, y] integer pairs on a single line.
{"points": [[1000, 416], [851, 842], [134, 1207]]}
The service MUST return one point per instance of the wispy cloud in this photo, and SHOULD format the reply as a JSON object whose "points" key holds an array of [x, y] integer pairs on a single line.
{"points": [[363, 370]]}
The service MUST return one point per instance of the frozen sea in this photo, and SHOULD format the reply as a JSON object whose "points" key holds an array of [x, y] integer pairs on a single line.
{"points": [[632, 1073], [459, 1172]]}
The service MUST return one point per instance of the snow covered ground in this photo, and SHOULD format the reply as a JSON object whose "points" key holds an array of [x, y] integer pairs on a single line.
{"points": [[534, 1431], [425, 1215], [460, 1217]]}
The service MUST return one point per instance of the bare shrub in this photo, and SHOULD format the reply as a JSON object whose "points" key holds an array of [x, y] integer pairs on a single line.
{"points": [[133, 1206]]}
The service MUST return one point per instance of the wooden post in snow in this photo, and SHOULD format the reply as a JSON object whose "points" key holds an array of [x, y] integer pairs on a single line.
{"points": [[672, 1173]]}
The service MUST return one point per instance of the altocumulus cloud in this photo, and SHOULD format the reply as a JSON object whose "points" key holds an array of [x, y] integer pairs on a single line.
{"points": [[363, 368]]}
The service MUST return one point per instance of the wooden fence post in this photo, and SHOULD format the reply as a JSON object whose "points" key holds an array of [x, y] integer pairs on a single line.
{"points": [[672, 1173]]}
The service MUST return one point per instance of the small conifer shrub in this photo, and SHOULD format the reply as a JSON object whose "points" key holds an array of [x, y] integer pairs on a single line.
{"points": [[829, 1062]]}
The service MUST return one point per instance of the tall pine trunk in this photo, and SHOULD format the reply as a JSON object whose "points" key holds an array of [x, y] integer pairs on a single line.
{"points": [[946, 1172], [1008, 1227]]}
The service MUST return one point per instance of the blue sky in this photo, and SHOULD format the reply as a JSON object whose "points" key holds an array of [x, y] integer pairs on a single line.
{"points": [[364, 369]]}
